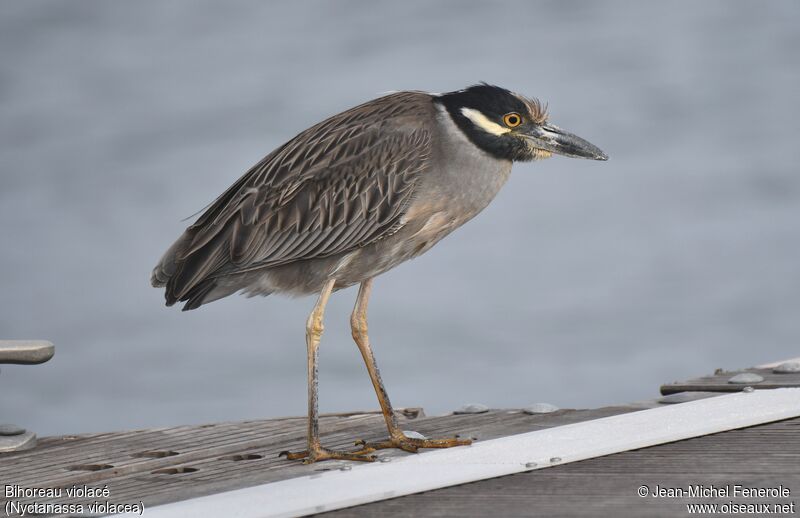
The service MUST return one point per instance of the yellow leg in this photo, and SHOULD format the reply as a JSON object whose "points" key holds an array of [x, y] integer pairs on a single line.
{"points": [[397, 439], [315, 450]]}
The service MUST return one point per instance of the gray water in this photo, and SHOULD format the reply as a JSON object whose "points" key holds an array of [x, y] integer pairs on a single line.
{"points": [[583, 284]]}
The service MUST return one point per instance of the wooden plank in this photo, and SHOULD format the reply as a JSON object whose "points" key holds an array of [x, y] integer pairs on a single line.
{"points": [[763, 456], [775, 364], [488, 459], [210, 449], [719, 382]]}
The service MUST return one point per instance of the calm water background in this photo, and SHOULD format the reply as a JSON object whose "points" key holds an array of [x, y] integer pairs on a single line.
{"points": [[583, 284]]}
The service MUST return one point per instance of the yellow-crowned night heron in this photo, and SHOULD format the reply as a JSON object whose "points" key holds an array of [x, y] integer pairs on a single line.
{"points": [[352, 197]]}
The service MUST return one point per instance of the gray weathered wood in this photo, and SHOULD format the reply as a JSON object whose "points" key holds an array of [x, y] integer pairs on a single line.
{"points": [[169, 464], [150, 465], [762, 456], [719, 382]]}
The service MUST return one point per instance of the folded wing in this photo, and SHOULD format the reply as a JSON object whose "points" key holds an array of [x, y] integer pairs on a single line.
{"points": [[337, 186]]}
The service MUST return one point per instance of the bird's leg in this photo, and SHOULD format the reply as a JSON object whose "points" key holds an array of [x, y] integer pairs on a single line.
{"points": [[315, 450], [397, 439]]}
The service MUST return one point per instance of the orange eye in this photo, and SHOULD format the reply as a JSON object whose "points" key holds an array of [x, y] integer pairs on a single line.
{"points": [[512, 120]]}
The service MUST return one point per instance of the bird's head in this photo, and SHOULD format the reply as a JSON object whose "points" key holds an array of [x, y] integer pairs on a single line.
{"points": [[512, 127]]}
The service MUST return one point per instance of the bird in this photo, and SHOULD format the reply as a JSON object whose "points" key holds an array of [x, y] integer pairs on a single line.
{"points": [[351, 198]]}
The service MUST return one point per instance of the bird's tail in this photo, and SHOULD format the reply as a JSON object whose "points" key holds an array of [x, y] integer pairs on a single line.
{"points": [[187, 278], [167, 266]]}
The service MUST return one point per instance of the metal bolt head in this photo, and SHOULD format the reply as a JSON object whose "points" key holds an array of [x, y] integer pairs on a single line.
{"points": [[530, 464], [787, 368], [346, 467], [540, 408], [11, 429], [748, 390], [554, 460], [385, 459], [472, 408], [746, 378]]}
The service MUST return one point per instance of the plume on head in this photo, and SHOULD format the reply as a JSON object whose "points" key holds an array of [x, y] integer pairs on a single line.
{"points": [[537, 111]]}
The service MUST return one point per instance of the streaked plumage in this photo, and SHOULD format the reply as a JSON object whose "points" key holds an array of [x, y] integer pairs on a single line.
{"points": [[352, 197], [336, 187]]}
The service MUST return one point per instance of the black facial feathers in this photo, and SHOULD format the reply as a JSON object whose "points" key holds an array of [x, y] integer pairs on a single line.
{"points": [[492, 102]]}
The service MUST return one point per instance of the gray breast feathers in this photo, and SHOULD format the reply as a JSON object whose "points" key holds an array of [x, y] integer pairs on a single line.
{"points": [[337, 186]]}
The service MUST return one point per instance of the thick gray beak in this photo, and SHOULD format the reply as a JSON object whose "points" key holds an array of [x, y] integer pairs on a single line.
{"points": [[554, 139]]}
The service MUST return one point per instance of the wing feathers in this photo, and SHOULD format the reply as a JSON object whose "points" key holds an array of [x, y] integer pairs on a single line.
{"points": [[335, 187]]}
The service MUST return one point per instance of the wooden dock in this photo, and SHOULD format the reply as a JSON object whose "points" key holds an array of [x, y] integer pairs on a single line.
{"points": [[147, 468]]}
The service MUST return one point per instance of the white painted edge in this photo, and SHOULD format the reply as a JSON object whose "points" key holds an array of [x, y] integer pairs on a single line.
{"points": [[493, 458], [775, 364]]}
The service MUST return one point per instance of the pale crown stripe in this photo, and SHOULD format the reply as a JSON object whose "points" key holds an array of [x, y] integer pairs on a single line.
{"points": [[483, 122]]}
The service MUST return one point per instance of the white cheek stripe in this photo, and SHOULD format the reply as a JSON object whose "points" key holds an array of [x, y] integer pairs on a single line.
{"points": [[483, 122]]}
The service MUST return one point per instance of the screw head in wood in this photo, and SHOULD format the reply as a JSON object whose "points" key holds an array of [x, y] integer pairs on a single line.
{"points": [[11, 429], [746, 378]]}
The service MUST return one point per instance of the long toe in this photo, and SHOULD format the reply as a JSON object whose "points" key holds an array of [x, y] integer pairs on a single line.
{"points": [[319, 454], [412, 444], [294, 455]]}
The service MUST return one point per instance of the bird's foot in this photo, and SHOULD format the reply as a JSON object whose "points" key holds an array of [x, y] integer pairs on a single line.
{"points": [[318, 453], [412, 444]]}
